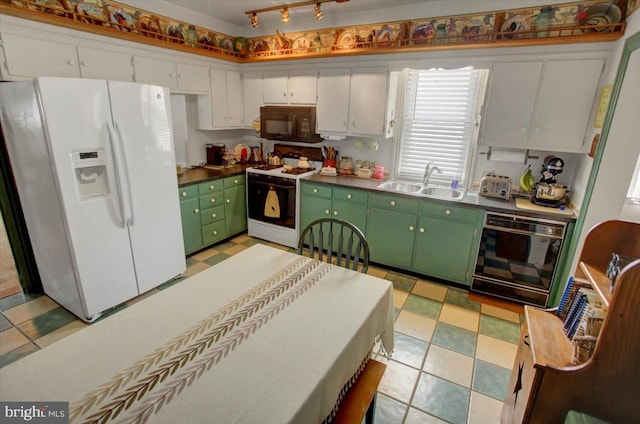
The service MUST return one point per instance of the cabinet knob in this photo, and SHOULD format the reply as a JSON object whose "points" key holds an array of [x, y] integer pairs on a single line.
{"points": [[315, 190], [335, 213], [84, 63], [327, 211], [411, 228], [172, 75], [213, 215], [348, 196], [179, 75], [196, 210], [538, 130], [228, 200], [524, 130], [353, 124], [284, 94], [235, 181], [421, 230], [392, 203], [447, 212], [290, 93], [213, 200], [215, 232], [183, 194], [211, 187]]}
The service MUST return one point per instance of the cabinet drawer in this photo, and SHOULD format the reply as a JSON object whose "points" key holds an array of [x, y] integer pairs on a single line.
{"points": [[188, 192], [210, 186], [234, 180], [317, 190], [207, 216], [347, 195], [213, 232], [213, 199], [448, 211], [393, 203]]}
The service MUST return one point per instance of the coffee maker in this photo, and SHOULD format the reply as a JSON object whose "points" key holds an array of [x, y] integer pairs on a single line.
{"points": [[215, 154]]}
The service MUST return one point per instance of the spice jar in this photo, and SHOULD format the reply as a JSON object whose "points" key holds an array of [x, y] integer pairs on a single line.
{"points": [[346, 166], [379, 172]]}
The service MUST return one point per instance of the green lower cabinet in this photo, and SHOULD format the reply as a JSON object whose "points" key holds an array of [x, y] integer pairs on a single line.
{"points": [[391, 235], [214, 232], [312, 208], [235, 207], [444, 249], [191, 228]]}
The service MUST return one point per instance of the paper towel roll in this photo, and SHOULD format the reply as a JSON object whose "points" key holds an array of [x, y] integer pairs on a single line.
{"points": [[505, 156]]}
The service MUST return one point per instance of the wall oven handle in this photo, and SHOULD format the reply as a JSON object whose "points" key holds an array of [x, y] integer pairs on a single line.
{"points": [[526, 233]]}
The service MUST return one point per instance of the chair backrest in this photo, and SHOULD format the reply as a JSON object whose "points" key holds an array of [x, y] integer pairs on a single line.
{"points": [[329, 236]]}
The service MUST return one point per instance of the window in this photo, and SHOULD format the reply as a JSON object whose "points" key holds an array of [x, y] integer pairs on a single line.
{"points": [[439, 122]]}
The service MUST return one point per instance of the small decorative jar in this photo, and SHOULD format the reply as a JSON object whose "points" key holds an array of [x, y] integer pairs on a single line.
{"points": [[379, 172], [346, 166]]}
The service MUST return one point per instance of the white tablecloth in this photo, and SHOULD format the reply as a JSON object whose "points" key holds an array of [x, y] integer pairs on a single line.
{"points": [[266, 336]]}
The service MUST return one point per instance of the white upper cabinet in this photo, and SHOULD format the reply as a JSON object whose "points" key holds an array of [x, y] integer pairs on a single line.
{"points": [[252, 97], [540, 105], [31, 57], [178, 77], [294, 87], [223, 108], [105, 64], [353, 102]]}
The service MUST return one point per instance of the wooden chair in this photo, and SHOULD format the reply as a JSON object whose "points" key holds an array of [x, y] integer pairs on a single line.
{"points": [[360, 401], [327, 236]]}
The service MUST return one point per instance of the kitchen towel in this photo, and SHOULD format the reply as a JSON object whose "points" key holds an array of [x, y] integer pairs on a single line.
{"points": [[272, 205], [508, 156]]}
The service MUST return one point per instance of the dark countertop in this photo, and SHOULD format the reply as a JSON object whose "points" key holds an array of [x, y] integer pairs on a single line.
{"points": [[199, 175], [470, 199]]}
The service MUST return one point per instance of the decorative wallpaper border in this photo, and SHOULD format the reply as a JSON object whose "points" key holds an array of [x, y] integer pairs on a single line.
{"points": [[561, 23]]}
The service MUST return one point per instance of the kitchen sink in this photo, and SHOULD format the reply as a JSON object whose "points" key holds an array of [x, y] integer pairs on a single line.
{"points": [[402, 186], [422, 190]]}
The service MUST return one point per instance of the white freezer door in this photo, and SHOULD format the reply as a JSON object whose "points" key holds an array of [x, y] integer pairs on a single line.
{"points": [[76, 113], [142, 116]]}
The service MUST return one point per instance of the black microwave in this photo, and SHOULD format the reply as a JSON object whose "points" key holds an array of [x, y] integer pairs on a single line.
{"points": [[289, 123]]}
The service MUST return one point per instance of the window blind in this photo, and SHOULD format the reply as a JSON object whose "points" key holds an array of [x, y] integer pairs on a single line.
{"points": [[438, 123]]}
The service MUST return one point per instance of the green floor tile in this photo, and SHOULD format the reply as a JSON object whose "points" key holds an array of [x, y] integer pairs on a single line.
{"points": [[490, 379], [442, 398], [46, 323], [421, 305], [455, 338], [216, 259], [4, 323], [400, 281], [191, 261], [499, 328], [15, 300], [16, 354], [461, 298]]}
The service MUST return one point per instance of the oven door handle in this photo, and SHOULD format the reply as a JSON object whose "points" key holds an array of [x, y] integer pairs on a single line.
{"points": [[270, 185], [526, 233]]}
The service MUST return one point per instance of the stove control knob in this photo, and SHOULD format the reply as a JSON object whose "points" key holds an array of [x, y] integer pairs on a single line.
{"points": [[550, 230]]}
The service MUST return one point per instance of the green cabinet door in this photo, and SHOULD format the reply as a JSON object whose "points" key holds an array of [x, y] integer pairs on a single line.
{"points": [[391, 235], [315, 203], [191, 227], [445, 249], [235, 209]]}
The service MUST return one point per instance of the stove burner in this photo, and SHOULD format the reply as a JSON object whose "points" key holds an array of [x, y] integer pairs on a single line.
{"points": [[297, 171], [268, 167]]}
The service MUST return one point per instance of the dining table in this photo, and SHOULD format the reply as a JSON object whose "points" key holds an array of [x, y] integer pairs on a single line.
{"points": [[265, 336]]}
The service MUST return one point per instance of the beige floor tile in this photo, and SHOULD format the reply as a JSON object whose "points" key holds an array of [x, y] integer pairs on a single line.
{"points": [[31, 309], [60, 333], [500, 313], [11, 339], [196, 268], [431, 290], [377, 272], [398, 381], [461, 317], [142, 297], [450, 365], [205, 254], [496, 351], [399, 297], [484, 409], [415, 325], [241, 238], [235, 249]]}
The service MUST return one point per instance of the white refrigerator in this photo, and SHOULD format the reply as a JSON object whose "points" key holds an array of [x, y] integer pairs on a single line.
{"points": [[94, 166]]}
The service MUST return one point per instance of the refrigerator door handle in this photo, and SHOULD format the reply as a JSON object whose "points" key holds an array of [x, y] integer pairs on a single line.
{"points": [[116, 163], [123, 143]]}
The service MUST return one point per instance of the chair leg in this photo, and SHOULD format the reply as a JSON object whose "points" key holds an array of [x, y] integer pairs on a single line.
{"points": [[371, 412]]}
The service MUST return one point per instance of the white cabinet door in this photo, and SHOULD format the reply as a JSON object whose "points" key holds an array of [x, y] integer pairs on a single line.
{"points": [[219, 97], [302, 87], [252, 97], [193, 78], [275, 87], [31, 57], [155, 72], [368, 101], [105, 64], [234, 99], [564, 105], [332, 112], [510, 103]]}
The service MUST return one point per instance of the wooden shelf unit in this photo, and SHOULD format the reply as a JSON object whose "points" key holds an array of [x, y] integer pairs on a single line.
{"points": [[545, 384]]}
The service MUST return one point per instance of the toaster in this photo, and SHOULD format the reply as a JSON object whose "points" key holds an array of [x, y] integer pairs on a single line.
{"points": [[495, 186]]}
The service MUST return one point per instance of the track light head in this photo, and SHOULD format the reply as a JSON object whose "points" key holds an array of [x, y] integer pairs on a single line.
{"points": [[254, 20], [317, 12]]}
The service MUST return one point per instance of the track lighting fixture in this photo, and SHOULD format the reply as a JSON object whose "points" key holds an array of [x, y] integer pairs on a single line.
{"points": [[284, 10]]}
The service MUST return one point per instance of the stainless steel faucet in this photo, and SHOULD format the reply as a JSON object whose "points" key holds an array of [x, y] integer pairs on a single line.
{"points": [[428, 170]]}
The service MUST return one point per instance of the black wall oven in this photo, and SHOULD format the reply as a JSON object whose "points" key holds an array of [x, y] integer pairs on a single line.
{"points": [[272, 199], [518, 257]]}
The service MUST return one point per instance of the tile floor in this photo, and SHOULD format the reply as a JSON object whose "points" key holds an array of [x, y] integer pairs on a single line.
{"points": [[452, 355]]}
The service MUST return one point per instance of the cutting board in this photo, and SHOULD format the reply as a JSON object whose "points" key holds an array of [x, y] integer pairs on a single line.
{"points": [[525, 204]]}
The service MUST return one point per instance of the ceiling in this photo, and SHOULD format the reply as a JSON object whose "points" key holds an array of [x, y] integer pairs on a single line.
{"points": [[232, 11]]}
